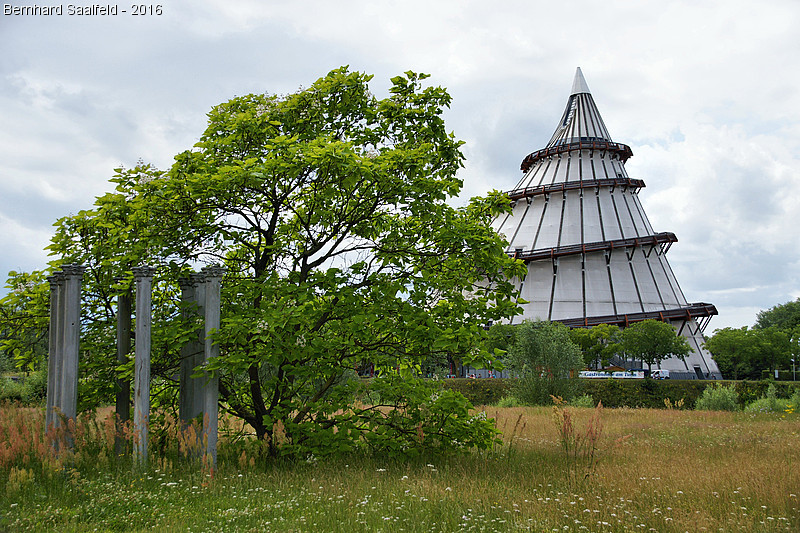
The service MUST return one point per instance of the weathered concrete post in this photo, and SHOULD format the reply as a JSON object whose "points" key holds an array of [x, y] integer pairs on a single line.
{"points": [[213, 280], [190, 400], [122, 403], [143, 276], [71, 327], [55, 335]]}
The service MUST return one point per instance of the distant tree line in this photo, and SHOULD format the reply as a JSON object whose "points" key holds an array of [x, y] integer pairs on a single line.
{"points": [[747, 353], [769, 345]]}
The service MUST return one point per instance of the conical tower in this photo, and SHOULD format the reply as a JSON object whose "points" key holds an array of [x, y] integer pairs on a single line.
{"points": [[592, 255]]}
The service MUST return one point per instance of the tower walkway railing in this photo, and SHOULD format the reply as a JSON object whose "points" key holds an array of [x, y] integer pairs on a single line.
{"points": [[529, 192], [623, 151]]}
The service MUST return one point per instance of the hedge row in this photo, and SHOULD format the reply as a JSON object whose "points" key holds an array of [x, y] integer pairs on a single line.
{"points": [[486, 391], [652, 393], [644, 393], [612, 392], [627, 392]]}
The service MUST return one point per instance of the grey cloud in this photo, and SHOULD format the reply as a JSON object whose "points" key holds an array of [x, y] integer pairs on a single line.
{"points": [[715, 133]]}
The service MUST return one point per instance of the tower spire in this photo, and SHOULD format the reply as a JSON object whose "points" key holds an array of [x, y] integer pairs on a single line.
{"points": [[581, 126], [579, 83]]}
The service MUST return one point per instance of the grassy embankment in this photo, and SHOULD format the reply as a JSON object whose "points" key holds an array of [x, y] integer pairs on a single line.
{"points": [[639, 470]]}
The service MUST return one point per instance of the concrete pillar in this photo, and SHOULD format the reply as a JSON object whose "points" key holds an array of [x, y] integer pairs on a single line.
{"points": [[143, 277], [54, 351], [190, 398], [213, 281], [61, 311], [123, 399], [73, 274]]}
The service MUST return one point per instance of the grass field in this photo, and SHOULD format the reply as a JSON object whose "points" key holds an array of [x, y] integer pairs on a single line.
{"points": [[568, 470]]}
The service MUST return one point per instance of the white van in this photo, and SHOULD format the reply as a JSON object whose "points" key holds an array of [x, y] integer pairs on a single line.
{"points": [[660, 373]]}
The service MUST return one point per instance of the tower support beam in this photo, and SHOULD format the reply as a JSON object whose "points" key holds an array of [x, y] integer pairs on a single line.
{"points": [[692, 311]]}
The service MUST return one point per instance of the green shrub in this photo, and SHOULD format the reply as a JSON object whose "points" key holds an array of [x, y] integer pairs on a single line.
{"points": [[544, 357], [766, 405], [750, 391], [10, 390], [769, 403], [794, 401], [426, 419], [583, 400], [34, 388], [718, 398], [508, 401]]}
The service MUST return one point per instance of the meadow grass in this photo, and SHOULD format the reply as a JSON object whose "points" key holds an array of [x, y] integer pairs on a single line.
{"points": [[651, 470]]}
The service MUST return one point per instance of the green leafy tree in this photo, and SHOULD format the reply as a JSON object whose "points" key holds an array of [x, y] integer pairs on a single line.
{"points": [[734, 350], [24, 318], [328, 209], [747, 353], [785, 316], [652, 341], [546, 361], [599, 343], [499, 338], [776, 349]]}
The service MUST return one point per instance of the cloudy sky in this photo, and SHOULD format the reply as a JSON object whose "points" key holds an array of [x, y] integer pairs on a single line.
{"points": [[706, 93]]}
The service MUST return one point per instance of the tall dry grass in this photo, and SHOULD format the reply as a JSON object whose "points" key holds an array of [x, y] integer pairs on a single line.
{"points": [[707, 469], [650, 470]]}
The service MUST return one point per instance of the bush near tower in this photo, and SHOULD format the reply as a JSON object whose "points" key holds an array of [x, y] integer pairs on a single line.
{"points": [[546, 362]]}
